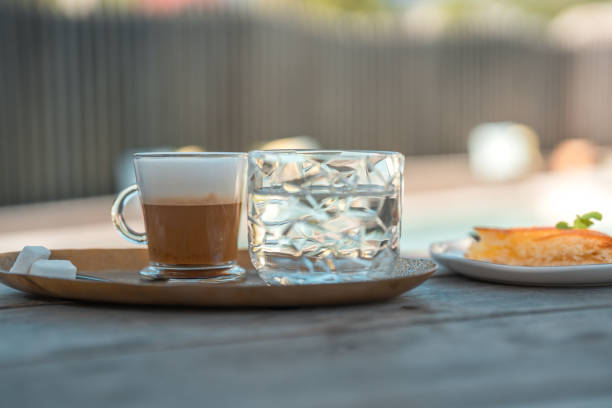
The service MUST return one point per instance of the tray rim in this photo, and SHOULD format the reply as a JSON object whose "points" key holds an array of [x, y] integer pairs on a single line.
{"points": [[45, 286]]}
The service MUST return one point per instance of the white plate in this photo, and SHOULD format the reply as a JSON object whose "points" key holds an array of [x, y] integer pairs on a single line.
{"points": [[451, 255]]}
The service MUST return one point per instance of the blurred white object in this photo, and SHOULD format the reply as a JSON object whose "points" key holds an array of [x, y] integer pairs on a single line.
{"points": [[583, 25], [503, 151], [298, 142], [54, 269], [425, 19], [77, 7], [27, 256]]}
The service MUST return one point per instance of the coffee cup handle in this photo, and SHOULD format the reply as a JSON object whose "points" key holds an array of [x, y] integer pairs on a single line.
{"points": [[117, 216]]}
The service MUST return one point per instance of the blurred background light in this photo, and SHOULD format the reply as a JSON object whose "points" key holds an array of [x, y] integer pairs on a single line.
{"points": [[503, 151]]}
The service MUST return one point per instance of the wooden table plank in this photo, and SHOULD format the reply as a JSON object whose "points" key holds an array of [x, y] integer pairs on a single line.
{"points": [[77, 330], [521, 360]]}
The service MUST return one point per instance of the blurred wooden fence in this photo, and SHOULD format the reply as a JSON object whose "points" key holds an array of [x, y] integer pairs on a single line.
{"points": [[76, 92]]}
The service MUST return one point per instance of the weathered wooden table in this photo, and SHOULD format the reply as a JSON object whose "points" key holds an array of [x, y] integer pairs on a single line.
{"points": [[450, 342]]}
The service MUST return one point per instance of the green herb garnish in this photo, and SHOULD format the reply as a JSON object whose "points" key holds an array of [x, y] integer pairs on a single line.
{"points": [[581, 221]]}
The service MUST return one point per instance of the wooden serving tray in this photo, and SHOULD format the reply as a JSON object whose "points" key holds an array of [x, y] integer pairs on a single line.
{"points": [[121, 266]]}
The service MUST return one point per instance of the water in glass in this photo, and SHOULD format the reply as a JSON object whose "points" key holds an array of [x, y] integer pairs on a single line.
{"points": [[324, 217]]}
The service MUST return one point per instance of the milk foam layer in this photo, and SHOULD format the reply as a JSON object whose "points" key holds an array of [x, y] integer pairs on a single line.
{"points": [[183, 180]]}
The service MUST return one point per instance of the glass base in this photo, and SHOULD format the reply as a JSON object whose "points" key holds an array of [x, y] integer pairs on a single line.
{"points": [[280, 270], [275, 277], [229, 272]]}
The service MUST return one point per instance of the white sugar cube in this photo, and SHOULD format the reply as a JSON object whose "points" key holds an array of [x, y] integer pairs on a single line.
{"points": [[27, 256], [54, 269]]}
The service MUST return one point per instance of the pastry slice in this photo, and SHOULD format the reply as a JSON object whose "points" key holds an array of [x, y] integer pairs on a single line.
{"points": [[541, 246]]}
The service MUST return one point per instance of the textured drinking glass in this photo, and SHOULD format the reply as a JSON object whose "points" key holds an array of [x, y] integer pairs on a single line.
{"points": [[191, 204], [319, 216]]}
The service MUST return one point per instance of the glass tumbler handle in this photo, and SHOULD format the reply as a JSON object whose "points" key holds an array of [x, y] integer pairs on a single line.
{"points": [[117, 216]]}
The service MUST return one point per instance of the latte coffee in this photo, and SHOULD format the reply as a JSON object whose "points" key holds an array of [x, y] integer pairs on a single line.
{"points": [[202, 232]]}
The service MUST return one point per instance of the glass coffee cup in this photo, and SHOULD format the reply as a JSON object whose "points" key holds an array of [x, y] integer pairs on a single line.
{"points": [[191, 204]]}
